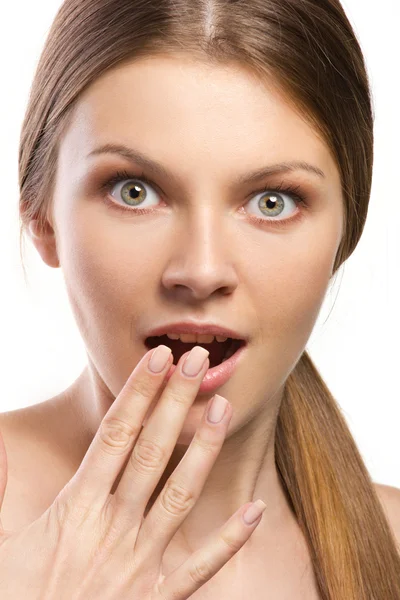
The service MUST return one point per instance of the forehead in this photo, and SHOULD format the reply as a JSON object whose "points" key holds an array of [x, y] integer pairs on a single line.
{"points": [[188, 114]]}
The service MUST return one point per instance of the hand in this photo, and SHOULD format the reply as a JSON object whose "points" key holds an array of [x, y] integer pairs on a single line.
{"points": [[92, 544]]}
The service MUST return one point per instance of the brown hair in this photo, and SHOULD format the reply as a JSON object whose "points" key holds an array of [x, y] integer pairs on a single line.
{"points": [[308, 47]]}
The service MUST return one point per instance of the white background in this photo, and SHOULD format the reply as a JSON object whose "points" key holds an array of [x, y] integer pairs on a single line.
{"points": [[355, 340]]}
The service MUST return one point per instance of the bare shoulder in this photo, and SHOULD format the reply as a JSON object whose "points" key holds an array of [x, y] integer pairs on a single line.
{"points": [[32, 438], [22, 424], [390, 500], [13, 425], [21, 436], [36, 463], [19, 416], [47, 434], [30, 419]]}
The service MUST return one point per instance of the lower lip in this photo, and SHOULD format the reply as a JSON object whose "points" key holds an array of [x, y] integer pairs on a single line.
{"points": [[218, 375]]}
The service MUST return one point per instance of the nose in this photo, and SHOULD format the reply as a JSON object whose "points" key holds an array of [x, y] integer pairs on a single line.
{"points": [[201, 260]]}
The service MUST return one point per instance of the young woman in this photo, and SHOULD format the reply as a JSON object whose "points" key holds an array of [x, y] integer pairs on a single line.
{"points": [[199, 171]]}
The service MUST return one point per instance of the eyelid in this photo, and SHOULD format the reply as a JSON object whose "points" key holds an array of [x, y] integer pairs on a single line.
{"points": [[122, 175], [299, 196], [287, 188]]}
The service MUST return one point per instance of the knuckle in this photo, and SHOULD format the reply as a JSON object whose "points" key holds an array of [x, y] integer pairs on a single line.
{"points": [[147, 455], [231, 542], [206, 446], [71, 512], [116, 435], [179, 396], [143, 388], [200, 571], [60, 510], [175, 499]]}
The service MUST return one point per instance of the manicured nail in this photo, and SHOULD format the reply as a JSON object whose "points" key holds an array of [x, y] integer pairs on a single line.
{"points": [[159, 359], [254, 511], [217, 409], [195, 361]]}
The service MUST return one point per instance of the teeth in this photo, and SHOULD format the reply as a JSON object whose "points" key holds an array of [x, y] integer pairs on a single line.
{"points": [[204, 339], [194, 338]]}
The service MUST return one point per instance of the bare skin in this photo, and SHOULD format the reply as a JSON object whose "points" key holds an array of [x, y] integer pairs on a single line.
{"points": [[126, 273], [37, 472], [94, 540]]}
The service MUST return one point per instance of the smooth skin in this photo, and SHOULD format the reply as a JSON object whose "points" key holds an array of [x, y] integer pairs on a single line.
{"points": [[196, 254], [97, 544]]}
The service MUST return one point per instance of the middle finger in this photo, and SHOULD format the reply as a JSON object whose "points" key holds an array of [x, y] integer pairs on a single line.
{"points": [[156, 442]]}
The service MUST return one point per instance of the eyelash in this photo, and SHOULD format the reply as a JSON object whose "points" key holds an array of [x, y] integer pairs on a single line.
{"points": [[294, 191]]}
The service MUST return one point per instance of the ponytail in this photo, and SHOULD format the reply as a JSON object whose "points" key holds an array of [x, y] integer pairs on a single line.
{"points": [[353, 550]]}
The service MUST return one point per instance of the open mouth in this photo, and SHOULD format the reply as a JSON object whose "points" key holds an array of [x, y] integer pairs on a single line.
{"points": [[219, 351]]}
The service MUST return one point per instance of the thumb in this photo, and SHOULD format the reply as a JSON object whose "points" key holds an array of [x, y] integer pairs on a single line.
{"points": [[3, 471]]}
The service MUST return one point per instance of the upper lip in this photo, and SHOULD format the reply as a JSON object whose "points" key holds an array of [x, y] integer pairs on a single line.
{"points": [[196, 327]]}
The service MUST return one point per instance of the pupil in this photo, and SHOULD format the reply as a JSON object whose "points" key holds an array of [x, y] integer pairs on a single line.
{"points": [[134, 191]]}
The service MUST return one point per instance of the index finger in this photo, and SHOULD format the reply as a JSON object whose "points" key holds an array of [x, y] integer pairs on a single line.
{"points": [[117, 434]]}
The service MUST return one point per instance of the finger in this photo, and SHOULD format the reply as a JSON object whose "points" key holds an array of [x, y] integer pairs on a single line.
{"points": [[183, 488], [116, 436], [206, 562], [157, 440]]}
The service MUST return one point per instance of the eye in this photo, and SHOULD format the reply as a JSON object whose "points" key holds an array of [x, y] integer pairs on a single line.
{"points": [[277, 202], [132, 193], [131, 190]]}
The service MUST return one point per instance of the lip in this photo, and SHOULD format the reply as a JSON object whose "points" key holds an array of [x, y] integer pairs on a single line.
{"points": [[196, 328], [218, 375]]}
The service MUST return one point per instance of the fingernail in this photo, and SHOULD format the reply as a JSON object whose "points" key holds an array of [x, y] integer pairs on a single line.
{"points": [[159, 359], [217, 409], [254, 511], [195, 361]]}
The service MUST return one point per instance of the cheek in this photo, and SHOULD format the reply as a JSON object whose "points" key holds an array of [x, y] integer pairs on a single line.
{"points": [[308, 284], [106, 276], [293, 286]]}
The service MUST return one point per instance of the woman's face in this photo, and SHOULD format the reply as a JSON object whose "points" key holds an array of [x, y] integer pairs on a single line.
{"points": [[195, 251]]}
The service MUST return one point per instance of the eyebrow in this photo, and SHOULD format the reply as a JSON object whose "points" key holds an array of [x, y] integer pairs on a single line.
{"points": [[158, 169]]}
